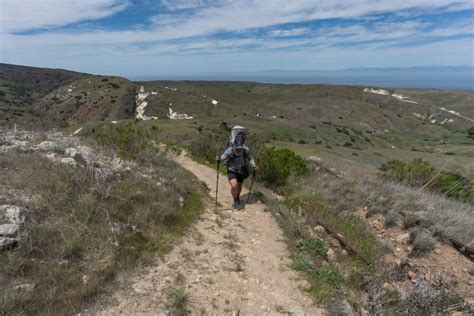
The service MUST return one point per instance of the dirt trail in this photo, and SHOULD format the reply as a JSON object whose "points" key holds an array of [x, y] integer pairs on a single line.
{"points": [[230, 263]]}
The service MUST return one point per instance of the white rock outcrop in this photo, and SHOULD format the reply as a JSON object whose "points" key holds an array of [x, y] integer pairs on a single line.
{"points": [[172, 115], [141, 105], [377, 91], [11, 219]]}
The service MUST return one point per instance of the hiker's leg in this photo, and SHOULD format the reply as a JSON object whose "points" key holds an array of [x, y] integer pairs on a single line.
{"points": [[235, 188], [239, 188]]}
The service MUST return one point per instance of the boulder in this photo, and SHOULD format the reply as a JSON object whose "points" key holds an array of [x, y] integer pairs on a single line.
{"points": [[12, 214], [69, 161], [6, 242], [330, 254], [47, 145], [314, 158], [319, 229], [9, 230], [89, 155]]}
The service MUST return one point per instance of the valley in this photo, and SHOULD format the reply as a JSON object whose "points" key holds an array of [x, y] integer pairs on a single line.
{"points": [[133, 162]]}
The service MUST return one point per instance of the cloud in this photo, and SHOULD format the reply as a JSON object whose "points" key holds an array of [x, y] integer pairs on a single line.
{"points": [[193, 30], [289, 32], [24, 15]]}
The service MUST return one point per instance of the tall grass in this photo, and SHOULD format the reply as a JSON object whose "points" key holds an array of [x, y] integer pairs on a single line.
{"points": [[420, 173]]}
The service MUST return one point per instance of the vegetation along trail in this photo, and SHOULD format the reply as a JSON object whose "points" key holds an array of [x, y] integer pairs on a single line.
{"points": [[230, 263]]}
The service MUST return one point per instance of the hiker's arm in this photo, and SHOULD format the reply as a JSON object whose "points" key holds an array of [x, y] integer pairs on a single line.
{"points": [[227, 153], [250, 157]]}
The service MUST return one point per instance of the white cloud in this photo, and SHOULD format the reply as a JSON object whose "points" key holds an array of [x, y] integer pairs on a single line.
{"points": [[185, 26], [23, 15], [289, 32]]}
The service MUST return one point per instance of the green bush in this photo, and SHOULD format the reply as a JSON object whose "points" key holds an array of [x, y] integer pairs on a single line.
{"points": [[276, 165], [422, 241], [470, 132], [114, 85], [420, 173], [208, 145], [127, 138]]}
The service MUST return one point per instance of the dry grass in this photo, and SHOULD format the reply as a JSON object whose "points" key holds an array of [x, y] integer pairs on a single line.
{"points": [[82, 229], [446, 218], [324, 196]]}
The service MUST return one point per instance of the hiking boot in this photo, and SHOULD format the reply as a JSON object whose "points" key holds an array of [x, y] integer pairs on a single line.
{"points": [[236, 204]]}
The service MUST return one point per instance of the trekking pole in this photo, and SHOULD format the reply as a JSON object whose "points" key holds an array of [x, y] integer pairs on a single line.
{"points": [[251, 184], [217, 181]]}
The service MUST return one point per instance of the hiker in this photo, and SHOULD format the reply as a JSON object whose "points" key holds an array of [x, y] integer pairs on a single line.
{"points": [[236, 158]]}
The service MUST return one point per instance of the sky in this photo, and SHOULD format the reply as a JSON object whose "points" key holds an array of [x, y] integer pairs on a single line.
{"points": [[142, 38]]}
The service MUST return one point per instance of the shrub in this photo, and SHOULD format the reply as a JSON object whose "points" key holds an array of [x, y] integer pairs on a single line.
{"points": [[422, 242], [411, 220], [391, 219], [470, 132], [420, 173], [276, 165], [114, 85], [208, 145], [127, 138], [313, 247]]}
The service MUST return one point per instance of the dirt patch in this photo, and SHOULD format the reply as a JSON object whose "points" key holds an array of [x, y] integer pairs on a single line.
{"points": [[443, 262]]}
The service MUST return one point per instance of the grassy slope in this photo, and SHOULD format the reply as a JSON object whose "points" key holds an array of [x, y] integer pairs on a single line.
{"points": [[94, 98], [339, 123], [84, 228], [41, 97]]}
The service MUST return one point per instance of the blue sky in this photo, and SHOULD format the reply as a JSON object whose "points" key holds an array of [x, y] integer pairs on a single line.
{"points": [[139, 38]]}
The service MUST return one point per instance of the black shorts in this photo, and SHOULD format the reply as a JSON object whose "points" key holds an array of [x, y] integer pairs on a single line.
{"points": [[240, 176]]}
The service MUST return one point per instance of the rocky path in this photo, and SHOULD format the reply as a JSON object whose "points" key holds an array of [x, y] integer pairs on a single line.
{"points": [[230, 263]]}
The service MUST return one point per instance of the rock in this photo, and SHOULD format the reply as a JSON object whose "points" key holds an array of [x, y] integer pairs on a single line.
{"points": [[87, 153], [71, 151], [6, 242], [47, 145], [319, 229], [26, 287], [387, 286], [9, 230], [344, 252], [20, 144], [68, 161], [117, 164], [470, 303], [403, 238], [12, 214], [437, 251], [330, 254], [412, 275], [314, 158]]}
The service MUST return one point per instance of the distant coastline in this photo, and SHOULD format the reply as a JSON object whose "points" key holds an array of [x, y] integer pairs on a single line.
{"points": [[436, 77]]}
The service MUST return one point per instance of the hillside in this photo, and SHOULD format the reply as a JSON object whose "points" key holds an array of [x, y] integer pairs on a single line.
{"points": [[364, 197], [336, 122], [33, 96]]}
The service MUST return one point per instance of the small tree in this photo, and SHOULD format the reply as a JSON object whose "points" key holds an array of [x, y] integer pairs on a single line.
{"points": [[276, 165], [470, 132]]}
